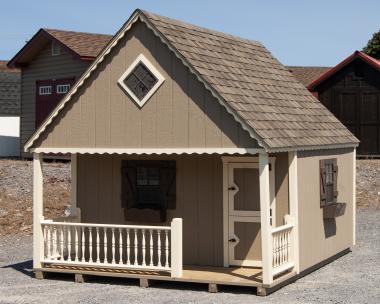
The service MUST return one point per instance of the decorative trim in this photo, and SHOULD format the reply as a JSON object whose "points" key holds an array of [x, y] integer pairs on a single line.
{"points": [[160, 79], [148, 151]]}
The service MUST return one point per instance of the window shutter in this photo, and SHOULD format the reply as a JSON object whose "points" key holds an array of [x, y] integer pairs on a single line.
{"points": [[168, 184], [335, 180], [128, 185], [322, 181]]}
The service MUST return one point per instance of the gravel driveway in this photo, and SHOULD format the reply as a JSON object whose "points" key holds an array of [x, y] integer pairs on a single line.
{"points": [[354, 278]]}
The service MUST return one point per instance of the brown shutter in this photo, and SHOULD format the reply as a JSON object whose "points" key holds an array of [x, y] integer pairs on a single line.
{"points": [[128, 184], [168, 184], [335, 180], [322, 181]]}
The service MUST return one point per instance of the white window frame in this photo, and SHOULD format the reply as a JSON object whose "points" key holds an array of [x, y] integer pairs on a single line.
{"points": [[44, 90], [55, 49], [160, 79], [63, 88]]}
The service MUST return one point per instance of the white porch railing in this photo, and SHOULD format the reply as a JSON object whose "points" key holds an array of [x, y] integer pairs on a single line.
{"points": [[282, 244], [118, 246]]}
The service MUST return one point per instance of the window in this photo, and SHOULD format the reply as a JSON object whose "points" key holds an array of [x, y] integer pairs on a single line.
{"points": [[55, 49], [141, 80], [63, 88], [148, 184], [328, 181], [44, 90]]}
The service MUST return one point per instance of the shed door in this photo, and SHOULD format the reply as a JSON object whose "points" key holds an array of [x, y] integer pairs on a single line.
{"points": [[244, 225], [48, 95], [359, 110]]}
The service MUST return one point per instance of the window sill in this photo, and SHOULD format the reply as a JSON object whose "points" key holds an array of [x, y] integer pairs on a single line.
{"points": [[334, 210], [145, 215]]}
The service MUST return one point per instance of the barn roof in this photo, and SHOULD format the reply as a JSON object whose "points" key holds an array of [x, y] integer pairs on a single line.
{"points": [[355, 55], [85, 46], [306, 74], [10, 81], [261, 94]]}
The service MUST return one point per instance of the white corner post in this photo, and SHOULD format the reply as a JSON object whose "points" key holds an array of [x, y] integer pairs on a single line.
{"points": [[354, 198], [293, 207], [266, 235], [176, 248], [74, 210], [38, 238]]}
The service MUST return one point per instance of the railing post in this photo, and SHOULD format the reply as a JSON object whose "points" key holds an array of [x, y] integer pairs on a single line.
{"points": [[266, 233], [38, 238], [176, 248]]}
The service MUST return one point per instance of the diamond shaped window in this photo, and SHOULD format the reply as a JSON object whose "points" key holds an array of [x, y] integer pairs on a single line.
{"points": [[141, 80]]}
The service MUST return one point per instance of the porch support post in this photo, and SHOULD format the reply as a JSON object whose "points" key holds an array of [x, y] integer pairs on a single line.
{"points": [[74, 210], [293, 206], [266, 236], [176, 248], [38, 239], [354, 198]]}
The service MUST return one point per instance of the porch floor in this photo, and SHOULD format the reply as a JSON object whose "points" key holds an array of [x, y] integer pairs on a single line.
{"points": [[238, 276]]}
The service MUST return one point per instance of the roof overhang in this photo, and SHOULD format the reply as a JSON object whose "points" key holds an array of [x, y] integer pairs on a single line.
{"points": [[357, 54]]}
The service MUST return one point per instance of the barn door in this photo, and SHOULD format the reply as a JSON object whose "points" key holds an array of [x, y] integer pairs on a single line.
{"points": [[359, 110], [48, 94]]}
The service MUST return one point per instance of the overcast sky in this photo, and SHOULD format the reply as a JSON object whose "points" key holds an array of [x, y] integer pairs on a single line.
{"points": [[297, 32]]}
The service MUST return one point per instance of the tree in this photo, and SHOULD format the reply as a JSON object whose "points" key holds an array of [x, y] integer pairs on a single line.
{"points": [[373, 46]]}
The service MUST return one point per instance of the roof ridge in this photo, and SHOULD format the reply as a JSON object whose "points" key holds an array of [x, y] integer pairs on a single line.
{"points": [[76, 32]]}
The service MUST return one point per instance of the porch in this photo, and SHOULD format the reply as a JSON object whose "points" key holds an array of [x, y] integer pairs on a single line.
{"points": [[155, 252]]}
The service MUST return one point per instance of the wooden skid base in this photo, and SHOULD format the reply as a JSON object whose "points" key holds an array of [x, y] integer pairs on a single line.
{"points": [[214, 277]]}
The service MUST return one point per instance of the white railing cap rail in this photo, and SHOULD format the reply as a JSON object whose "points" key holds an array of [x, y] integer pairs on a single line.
{"points": [[50, 222], [282, 228]]}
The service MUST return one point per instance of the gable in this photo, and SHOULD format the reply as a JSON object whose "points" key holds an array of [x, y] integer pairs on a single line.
{"points": [[180, 114]]}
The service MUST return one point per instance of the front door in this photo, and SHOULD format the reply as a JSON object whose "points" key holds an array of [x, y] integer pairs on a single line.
{"points": [[244, 226]]}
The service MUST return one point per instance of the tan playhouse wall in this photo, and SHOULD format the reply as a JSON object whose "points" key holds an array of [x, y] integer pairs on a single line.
{"points": [[320, 239], [180, 114]]}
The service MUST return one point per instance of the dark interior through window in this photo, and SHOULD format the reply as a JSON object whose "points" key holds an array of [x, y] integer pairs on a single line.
{"points": [[140, 81]]}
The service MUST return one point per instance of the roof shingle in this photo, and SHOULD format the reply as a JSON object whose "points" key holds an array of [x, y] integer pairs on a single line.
{"points": [[306, 74]]}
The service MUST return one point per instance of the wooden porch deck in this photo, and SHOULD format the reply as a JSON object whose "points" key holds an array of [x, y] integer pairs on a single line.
{"points": [[213, 276]]}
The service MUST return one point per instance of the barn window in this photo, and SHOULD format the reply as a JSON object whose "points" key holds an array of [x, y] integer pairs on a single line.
{"points": [[55, 49], [63, 88], [328, 181], [141, 80], [148, 184], [44, 90]]}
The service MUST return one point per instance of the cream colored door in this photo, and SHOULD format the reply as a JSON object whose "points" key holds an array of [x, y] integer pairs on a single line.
{"points": [[244, 227]]}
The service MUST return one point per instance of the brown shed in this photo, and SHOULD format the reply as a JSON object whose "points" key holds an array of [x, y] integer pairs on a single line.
{"points": [[351, 91]]}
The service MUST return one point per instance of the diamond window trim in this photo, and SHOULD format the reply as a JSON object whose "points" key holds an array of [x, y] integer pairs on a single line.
{"points": [[159, 79]]}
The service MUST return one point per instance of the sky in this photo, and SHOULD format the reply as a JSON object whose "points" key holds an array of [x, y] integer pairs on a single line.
{"points": [[297, 32]]}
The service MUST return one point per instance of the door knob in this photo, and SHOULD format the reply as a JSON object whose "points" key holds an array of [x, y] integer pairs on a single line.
{"points": [[232, 188], [233, 240]]}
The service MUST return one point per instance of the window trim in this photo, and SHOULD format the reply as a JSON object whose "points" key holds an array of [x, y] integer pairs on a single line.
{"points": [[41, 88], [160, 79], [55, 49], [66, 85]]}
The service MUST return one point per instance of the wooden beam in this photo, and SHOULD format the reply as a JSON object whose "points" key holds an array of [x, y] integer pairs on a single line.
{"points": [[266, 237], [176, 248], [293, 207], [38, 239]]}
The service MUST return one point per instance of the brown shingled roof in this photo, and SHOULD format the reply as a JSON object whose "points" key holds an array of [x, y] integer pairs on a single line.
{"points": [[306, 74], [84, 44], [4, 68], [255, 87]]}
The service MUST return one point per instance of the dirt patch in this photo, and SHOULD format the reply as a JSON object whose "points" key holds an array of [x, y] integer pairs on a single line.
{"points": [[16, 191], [16, 185]]}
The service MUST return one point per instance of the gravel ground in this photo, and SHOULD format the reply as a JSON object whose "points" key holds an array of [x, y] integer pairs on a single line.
{"points": [[354, 278]]}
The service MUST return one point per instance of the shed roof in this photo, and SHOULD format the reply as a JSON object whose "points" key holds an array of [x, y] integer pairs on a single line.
{"points": [[10, 81], [306, 74], [254, 87], [85, 46], [355, 55]]}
